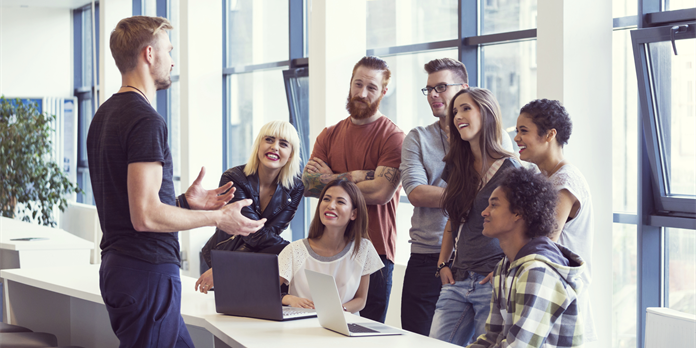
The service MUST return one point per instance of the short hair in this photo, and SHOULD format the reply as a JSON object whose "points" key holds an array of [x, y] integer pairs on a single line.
{"points": [[280, 130], [356, 229], [456, 67], [534, 197], [550, 114], [131, 35], [374, 63]]}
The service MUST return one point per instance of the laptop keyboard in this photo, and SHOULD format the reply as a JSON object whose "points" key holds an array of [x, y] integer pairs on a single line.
{"points": [[289, 312], [355, 328]]}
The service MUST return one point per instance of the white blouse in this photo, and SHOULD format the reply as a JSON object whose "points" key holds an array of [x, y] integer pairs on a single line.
{"points": [[344, 267], [578, 233]]}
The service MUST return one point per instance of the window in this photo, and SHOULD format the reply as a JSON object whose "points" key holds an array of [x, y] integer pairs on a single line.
{"points": [[86, 38], [664, 78], [257, 49]]}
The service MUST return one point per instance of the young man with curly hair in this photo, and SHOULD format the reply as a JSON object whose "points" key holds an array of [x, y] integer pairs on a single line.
{"points": [[536, 284]]}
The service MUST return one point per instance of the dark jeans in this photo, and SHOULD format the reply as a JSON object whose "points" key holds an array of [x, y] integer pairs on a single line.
{"points": [[143, 301], [420, 293], [378, 293]]}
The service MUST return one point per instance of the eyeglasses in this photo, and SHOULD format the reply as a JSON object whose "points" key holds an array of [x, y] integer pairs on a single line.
{"points": [[439, 88]]}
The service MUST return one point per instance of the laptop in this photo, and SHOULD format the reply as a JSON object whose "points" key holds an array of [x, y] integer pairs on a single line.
{"points": [[247, 285], [330, 309]]}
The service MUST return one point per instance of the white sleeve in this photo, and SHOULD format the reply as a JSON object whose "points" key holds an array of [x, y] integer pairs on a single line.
{"points": [[285, 262], [372, 261]]}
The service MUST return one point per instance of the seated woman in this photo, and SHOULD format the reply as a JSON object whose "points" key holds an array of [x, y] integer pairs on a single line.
{"points": [[337, 245], [543, 127], [271, 180]]}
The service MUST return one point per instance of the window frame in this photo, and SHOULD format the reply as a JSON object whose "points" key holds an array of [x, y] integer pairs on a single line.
{"points": [[664, 202]]}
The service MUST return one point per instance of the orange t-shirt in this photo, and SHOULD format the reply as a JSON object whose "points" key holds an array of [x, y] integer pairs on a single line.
{"points": [[346, 147]]}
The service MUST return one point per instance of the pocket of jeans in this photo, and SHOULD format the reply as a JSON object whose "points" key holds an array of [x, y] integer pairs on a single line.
{"points": [[166, 305]]}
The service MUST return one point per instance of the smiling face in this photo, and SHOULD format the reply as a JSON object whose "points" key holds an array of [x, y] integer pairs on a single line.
{"points": [[498, 220], [440, 101], [336, 208], [274, 152], [162, 68], [366, 92], [533, 147], [466, 118]]}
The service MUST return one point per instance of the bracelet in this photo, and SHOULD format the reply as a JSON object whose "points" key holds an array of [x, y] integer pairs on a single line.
{"points": [[440, 267], [181, 202]]}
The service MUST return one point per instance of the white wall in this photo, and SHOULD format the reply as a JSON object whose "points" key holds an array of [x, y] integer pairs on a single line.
{"points": [[36, 46], [110, 13], [201, 108], [574, 47]]}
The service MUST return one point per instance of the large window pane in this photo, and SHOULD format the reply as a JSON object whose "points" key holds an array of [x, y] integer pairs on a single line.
{"points": [[404, 102], [624, 300], [679, 4], [257, 32], [624, 125], [623, 8], [510, 72], [682, 270], [507, 15], [674, 82], [405, 22], [255, 98]]}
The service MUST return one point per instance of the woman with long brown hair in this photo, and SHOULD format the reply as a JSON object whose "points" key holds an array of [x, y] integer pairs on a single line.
{"points": [[337, 245], [474, 166]]}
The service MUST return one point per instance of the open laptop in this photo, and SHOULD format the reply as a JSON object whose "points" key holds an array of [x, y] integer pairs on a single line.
{"points": [[330, 309], [247, 285]]}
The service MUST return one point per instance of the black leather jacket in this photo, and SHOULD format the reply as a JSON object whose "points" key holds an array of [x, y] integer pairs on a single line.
{"points": [[278, 213]]}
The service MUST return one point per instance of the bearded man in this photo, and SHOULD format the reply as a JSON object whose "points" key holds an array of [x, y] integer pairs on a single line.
{"points": [[366, 149]]}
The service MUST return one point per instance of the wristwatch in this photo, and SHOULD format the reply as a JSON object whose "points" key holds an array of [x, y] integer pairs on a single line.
{"points": [[440, 267]]}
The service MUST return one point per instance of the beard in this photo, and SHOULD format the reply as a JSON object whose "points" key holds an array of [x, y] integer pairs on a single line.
{"points": [[361, 111], [163, 80]]}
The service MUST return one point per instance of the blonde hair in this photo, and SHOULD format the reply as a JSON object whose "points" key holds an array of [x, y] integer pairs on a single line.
{"points": [[280, 130], [131, 35]]}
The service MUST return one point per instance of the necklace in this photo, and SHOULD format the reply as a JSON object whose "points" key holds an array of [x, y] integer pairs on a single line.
{"points": [[556, 167], [141, 92], [442, 140]]}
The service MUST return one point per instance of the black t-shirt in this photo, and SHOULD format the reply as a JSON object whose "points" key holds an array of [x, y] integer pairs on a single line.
{"points": [[126, 129]]}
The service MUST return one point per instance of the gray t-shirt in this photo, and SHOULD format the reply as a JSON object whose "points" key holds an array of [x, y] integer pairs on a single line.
{"points": [[476, 252], [421, 164]]}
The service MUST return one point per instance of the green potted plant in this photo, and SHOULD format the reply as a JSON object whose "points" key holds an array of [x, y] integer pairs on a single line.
{"points": [[31, 183]]}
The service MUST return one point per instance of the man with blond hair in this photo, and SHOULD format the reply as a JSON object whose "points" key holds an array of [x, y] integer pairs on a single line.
{"points": [[131, 172], [366, 149]]}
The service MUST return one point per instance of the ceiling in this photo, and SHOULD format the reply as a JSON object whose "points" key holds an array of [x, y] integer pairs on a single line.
{"points": [[44, 3]]}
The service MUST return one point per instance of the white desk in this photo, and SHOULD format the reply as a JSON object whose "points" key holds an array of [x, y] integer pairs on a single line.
{"points": [[60, 248], [67, 303]]}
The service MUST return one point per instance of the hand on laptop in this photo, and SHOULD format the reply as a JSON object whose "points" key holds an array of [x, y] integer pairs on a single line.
{"points": [[205, 282], [297, 302]]}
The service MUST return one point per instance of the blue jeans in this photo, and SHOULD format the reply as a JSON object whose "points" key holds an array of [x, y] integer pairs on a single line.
{"points": [[144, 302], [462, 310], [378, 292], [420, 293]]}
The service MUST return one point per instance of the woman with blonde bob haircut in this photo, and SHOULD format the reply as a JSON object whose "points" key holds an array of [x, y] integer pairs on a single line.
{"points": [[474, 167], [271, 179], [338, 245]]}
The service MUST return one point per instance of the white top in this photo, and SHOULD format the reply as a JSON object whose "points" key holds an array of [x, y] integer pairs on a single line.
{"points": [[344, 267], [578, 233]]}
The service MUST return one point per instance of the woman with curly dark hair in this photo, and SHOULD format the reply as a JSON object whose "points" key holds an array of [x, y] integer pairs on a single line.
{"points": [[543, 128], [536, 286], [473, 168]]}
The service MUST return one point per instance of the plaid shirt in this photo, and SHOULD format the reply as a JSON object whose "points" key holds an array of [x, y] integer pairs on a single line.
{"points": [[534, 304]]}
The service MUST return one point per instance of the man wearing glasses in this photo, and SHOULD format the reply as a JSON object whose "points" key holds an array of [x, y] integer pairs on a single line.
{"points": [[421, 170]]}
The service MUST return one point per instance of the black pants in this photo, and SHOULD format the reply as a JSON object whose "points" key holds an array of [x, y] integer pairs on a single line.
{"points": [[378, 293], [420, 293]]}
